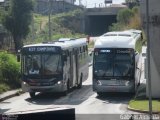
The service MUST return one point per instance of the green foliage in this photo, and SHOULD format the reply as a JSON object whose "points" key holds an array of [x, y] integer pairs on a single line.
{"points": [[70, 20], [142, 105], [62, 25], [124, 16], [116, 27], [91, 44], [18, 19], [139, 44], [135, 10], [4, 87], [9, 70], [1, 14], [133, 2], [127, 19]]}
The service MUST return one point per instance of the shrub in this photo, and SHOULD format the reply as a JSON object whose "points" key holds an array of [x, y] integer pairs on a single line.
{"points": [[9, 70], [3, 88]]}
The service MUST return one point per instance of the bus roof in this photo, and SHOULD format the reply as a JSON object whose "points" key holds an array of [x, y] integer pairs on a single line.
{"points": [[63, 44], [118, 39]]}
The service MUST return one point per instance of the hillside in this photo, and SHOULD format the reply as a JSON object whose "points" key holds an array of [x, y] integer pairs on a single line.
{"points": [[62, 25]]}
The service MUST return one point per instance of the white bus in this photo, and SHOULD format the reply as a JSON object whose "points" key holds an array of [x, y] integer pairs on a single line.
{"points": [[116, 66], [54, 67]]}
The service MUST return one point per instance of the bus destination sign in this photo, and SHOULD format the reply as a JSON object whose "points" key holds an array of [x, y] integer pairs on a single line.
{"points": [[42, 49], [123, 51]]}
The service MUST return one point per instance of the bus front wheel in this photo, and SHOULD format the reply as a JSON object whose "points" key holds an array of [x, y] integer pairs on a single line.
{"points": [[80, 84], [32, 94], [99, 94], [67, 90]]}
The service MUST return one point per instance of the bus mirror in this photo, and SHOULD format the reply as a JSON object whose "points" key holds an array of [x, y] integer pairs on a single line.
{"points": [[137, 68]]}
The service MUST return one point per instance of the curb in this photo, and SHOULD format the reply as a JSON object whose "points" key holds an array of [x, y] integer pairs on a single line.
{"points": [[5, 95], [141, 111], [61, 113]]}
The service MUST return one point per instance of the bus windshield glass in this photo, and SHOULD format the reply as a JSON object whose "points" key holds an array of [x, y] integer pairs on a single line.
{"points": [[114, 62], [42, 64]]}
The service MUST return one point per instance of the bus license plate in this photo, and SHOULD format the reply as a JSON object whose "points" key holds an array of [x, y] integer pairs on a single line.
{"points": [[113, 89]]}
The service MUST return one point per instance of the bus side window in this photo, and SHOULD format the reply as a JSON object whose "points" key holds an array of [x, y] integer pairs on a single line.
{"points": [[141, 36], [80, 53], [80, 50], [86, 48]]}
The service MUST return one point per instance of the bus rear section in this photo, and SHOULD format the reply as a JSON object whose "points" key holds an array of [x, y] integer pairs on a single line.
{"points": [[114, 70]]}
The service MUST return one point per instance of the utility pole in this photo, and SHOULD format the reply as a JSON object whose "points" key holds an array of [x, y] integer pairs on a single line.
{"points": [[49, 20], [148, 53], [32, 27]]}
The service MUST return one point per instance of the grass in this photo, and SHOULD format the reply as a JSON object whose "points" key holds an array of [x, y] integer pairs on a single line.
{"points": [[4, 87], [143, 105], [141, 102], [9, 72], [62, 25]]}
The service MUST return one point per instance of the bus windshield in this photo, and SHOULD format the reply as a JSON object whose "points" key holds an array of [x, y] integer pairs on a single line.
{"points": [[42, 64], [114, 62]]}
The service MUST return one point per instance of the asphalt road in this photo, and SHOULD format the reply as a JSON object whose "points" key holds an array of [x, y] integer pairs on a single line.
{"points": [[87, 104]]}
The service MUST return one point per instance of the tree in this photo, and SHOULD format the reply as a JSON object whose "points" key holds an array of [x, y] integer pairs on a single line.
{"points": [[132, 3], [1, 14], [18, 19], [127, 19], [124, 16]]}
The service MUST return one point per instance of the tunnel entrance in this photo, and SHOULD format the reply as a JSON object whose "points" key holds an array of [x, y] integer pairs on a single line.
{"points": [[98, 24]]}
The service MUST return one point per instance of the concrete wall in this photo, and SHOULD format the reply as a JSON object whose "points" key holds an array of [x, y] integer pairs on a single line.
{"points": [[70, 1], [42, 7], [154, 30], [98, 20], [97, 25]]}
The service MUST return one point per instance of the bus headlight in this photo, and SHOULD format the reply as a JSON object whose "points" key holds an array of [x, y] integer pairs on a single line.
{"points": [[59, 82], [24, 83], [127, 83], [99, 82]]}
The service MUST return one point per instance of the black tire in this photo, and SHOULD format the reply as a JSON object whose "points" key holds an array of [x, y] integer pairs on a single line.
{"points": [[32, 94], [66, 92], [80, 84], [99, 94]]}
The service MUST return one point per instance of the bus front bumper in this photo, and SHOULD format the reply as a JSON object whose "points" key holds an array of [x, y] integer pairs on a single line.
{"points": [[54, 88], [116, 88]]}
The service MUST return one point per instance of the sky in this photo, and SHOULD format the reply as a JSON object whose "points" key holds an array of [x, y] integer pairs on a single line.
{"points": [[92, 3]]}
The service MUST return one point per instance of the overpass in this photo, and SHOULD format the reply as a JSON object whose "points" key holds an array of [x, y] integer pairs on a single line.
{"points": [[98, 20]]}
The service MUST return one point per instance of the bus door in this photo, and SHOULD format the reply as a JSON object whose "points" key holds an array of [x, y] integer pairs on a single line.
{"points": [[75, 67], [71, 68]]}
